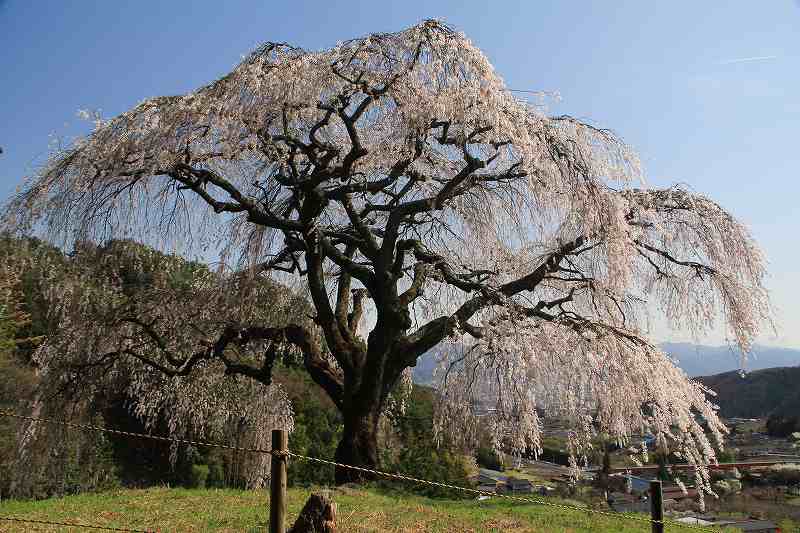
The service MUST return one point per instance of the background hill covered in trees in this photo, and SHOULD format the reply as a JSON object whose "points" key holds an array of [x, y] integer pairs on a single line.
{"points": [[771, 393], [757, 394]]}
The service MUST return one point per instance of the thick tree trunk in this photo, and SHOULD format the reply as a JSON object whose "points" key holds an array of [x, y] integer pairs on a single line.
{"points": [[368, 380], [359, 444]]}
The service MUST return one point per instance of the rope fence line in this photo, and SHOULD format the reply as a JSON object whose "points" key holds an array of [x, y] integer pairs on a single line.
{"points": [[536, 501], [131, 433], [84, 526], [285, 453], [464, 489]]}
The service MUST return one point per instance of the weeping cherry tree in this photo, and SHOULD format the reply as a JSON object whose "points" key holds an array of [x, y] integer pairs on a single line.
{"points": [[398, 181]]}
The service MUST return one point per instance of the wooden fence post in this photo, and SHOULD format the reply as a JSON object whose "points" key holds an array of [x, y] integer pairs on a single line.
{"points": [[656, 506], [277, 484]]}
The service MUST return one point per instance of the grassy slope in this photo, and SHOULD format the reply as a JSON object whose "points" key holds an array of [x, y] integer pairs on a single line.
{"points": [[164, 509]]}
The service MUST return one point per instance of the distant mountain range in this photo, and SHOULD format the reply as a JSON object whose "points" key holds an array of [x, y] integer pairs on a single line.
{"points": [[694, 359], [700, 360]]}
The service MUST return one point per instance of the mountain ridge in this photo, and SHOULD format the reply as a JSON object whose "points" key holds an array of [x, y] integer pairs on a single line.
{"points": [[703, 360]]}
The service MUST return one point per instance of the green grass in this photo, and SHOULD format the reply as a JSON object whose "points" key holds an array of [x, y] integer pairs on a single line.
{"points": [[164, 509]]}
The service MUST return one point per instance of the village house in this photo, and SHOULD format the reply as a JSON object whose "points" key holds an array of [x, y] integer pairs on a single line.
{"points": [[498, 483], [490, 481], [517, 485]]}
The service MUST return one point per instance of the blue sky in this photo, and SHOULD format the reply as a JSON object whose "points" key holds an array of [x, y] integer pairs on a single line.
{"points": [[708, 92]]}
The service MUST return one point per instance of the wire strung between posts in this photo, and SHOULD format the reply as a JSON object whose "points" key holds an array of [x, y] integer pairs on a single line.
{"points": [[131, 433], [285, 453], [615, 516], [85, 526]]}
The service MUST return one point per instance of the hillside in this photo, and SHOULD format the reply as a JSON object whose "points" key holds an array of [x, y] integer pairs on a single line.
{"points": [[758, 393]]}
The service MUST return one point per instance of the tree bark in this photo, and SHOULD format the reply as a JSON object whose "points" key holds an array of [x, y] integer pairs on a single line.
{"points": [[359, 443]]}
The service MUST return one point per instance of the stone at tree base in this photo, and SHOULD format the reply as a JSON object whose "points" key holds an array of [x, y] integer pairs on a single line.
{"points": [[318, 515]]}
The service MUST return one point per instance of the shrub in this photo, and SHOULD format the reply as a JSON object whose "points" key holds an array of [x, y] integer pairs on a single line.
{"points": [[722, 487], [726, 474], [782, 426], [216, 475], [425, 461], [726, 456], [198, 477], [554, 455], [734, 474], [486, 457], [788, 474]]}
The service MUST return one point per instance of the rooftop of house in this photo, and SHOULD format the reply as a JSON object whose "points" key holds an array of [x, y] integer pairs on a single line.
{"points": [[492, 474]]}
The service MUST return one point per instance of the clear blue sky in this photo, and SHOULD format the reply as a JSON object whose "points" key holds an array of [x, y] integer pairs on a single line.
{"points": [[708, 92]]}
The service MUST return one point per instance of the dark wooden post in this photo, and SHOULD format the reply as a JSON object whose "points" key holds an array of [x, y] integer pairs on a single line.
{"points": [[656, 506], [277, 485]]}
